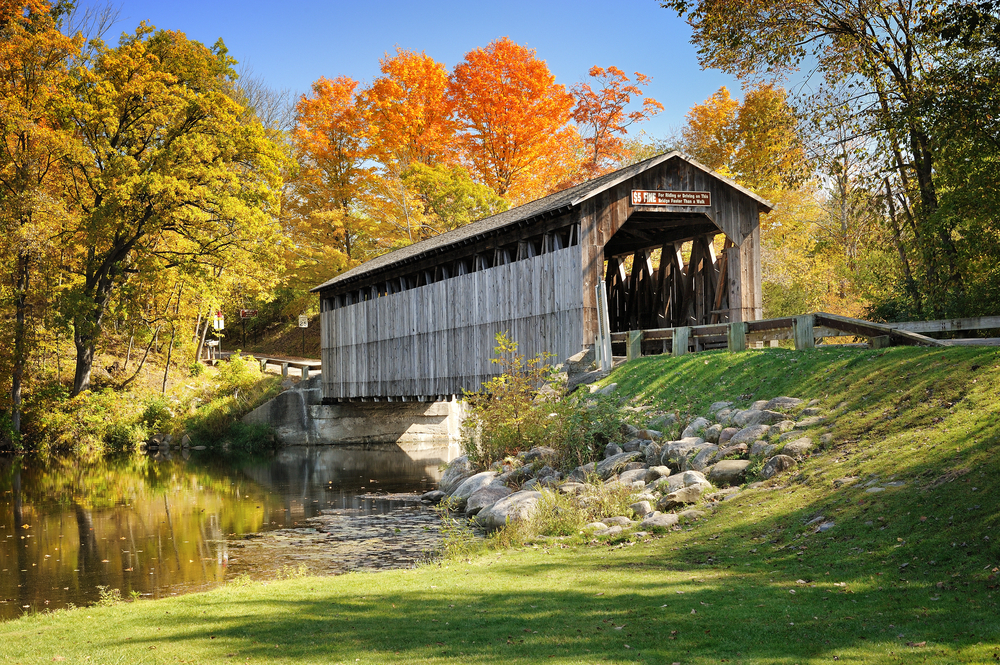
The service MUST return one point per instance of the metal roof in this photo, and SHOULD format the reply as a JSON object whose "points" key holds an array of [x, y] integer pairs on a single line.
{"points": [[559, 202]]}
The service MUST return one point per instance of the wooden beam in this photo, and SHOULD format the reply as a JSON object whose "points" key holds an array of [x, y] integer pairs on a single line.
{"points": [[862, 328]]}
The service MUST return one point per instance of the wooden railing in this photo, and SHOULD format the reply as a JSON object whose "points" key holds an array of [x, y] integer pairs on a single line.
{"points": [[805, 330]]}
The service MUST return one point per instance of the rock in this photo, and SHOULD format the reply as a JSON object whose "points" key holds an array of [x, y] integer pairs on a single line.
{"points": [[631, 446], [811, 411], [595, 525], [650, 434], [538, 454], [676, 453], [584, 379], [826, 439], [783, 403], [632, 475], [616, 463], [695, 428], [798, 448], [845, 481], [516, 476], [750, 434], [617, 521], [655, 473], [471, 485], [455, 474], [662, 422], [756, 417], [790, 436], [775, 465], [712, 433], [632, 466], [658, 520], [782, 427], [690, 515], [738, 450], [728, 472], [611, 450], [824, 527], [585, 471], [531, 484], [761, 448], [653, 452], [185, 440], [681, 497], [514, 508], [682, 480], [759, 405], [811, 421], [704, 457], [641, 508], [874, 490], [722, 495], [485, 498], [579, 363], [606, 390], [725, 416], [727, 434], [545, 471], [434, 496], [630, 430], [718, 406], [610, 531]]}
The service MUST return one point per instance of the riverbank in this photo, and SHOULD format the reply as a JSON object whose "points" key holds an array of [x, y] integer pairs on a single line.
{"points": [[908, 572]]}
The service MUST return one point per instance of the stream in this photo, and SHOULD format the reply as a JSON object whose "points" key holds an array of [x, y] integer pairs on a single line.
{"points": [[156, 527]]}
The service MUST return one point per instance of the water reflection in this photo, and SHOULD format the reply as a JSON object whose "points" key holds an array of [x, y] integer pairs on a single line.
{"points": [[164, 526]]}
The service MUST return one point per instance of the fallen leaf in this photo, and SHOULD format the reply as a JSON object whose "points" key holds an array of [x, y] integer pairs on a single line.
{"points": [[916, 644]]}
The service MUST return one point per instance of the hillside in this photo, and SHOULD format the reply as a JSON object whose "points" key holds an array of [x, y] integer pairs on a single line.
{"points": [[907, 572]]}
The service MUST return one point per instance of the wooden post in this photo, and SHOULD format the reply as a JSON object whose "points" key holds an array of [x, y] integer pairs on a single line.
{"points": [[802, 330], [633, 347], [284, 370], [680, 340], [880, 342], [737, 336], [263, 365]]}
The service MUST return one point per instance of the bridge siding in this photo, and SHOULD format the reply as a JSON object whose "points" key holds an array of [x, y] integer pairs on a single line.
{"points": [[438, 339]]}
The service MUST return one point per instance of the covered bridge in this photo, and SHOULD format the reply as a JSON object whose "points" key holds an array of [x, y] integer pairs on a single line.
{"points": [[419, 323]]}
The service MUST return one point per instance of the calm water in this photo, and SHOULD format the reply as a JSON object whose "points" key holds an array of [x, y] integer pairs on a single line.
{"points": [[166, 526]]}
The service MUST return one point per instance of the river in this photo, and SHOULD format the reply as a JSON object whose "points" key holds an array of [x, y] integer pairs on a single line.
{"points": [[155, 527]]}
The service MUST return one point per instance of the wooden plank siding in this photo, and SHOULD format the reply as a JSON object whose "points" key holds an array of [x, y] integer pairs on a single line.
{"points": [[438, 339]]}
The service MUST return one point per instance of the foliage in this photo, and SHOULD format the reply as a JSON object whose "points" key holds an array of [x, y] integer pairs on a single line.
{"points": [[238, 388], [509, 413]]}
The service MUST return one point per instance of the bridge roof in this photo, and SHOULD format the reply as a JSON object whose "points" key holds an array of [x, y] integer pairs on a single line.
{"points": [[543, 208]]}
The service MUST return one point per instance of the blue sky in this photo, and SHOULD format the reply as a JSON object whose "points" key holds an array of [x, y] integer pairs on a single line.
{"points": [[291, 44]]}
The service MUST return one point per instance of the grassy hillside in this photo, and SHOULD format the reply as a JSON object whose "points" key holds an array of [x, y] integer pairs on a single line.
{"points": [[906, 574]]}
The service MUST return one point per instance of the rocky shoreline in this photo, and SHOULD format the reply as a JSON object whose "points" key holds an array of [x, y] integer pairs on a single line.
{"points": [[674, 471]]}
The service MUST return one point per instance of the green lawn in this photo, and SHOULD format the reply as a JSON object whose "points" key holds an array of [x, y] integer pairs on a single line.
{"points": [[907, 574]]}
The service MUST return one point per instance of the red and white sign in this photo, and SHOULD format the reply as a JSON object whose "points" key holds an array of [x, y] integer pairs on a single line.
{"points": [[648, 197], [248, 313]]}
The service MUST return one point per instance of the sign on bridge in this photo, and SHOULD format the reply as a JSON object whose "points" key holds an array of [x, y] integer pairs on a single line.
{"points": [[650, 197]]}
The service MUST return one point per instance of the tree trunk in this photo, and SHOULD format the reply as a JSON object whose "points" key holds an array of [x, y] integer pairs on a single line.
{"points": [[85, 346], [20, 334], [170, 351]]}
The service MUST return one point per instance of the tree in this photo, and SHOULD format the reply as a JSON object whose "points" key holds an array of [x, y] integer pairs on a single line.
{"points": [[514, 120], [34, 63], [603, 117], [171, 171], [708, 135]]}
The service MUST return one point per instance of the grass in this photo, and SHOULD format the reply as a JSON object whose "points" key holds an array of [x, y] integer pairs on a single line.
{"points": [[909, 574]]}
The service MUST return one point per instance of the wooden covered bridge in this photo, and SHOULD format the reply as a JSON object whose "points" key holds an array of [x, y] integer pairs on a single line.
{"points": [[419, 323]]}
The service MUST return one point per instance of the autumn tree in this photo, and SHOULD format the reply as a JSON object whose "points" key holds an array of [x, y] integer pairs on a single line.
{"points": [[708, 134], [604, 116], [34, 64], [514, 120], [170, 171]]}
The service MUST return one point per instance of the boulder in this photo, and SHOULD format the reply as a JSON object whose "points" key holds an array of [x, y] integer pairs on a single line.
{"points": [[783, 404], [470, 485], [756, 417], [585, 471], [761, 448], [641, 508], [759, 405], [620, 520], [606, 390], [531, 484], [631, 446], [611, 450], [664, 421], [718, 406], [704, 457], [434, 496], [655, 473], [542, 454], [572, 488], [516, 507], [727, 434], [737, 450], [516, 476], [675, 454], [775, 465], [658, 520], [811, 411], [458, 470], [616, 463], [630, 476], [798, 448], [653, 452], [712, 433], [750, 434], [586, 378], [811, 421], [695, 428], [690, 514], [681, 480], [724, 416], [782, 427], [650, 434], [610, 531], [681, 497], [728, 472], [485, 497], [600, 526]]}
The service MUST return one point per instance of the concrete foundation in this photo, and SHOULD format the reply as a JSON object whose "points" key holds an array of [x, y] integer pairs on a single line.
{"points": [[298, 418]]}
